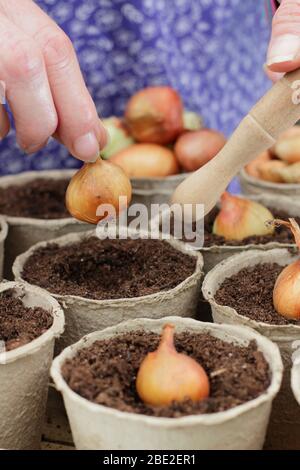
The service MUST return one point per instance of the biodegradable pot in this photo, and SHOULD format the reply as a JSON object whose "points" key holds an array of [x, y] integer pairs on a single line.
{"points": [[26, 231], [285, 420], [86, 315], [24, 374], [215, 254], [251, 185], [3, 236], [98, 427], [295, 376], [149, 191]]}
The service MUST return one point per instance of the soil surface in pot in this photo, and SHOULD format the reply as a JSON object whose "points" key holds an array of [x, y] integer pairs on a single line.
{"points": [[19, 324], [281, 234], [108, 269], [40, 198], [250, 293], [105, 372]]}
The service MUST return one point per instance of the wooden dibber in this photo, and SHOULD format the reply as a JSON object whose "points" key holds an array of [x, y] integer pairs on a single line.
{"points": [[275, 112]]}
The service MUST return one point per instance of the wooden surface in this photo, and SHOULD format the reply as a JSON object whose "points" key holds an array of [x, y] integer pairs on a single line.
{"points": [[56, 432]]}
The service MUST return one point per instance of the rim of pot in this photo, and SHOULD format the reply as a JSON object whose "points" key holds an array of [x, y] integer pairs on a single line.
{"points": [[176, 177], [278, 201], [235, 332], [235, 260], [50, 304], [3, 229], [24, 177], [268, 184], [295, 373], [72, 238]]}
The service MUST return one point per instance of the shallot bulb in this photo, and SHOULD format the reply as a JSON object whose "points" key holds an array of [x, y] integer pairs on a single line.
{"points": [[166, 375], [240, 218], [286, 293], [94, 184]]}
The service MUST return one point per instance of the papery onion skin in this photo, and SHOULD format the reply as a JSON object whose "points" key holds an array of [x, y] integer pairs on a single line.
{"points": [[240, 218], [286, 293], [155, 115], [195, 148], [287, 147], [290, 174], [272, 171], [147, 161], [119, 137], [166, 375], [94, 184]]}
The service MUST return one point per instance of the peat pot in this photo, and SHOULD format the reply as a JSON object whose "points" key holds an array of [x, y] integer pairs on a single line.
{"points": [[215, 254], [251, 185], [3, 236], [24, 375], [86, 315], [285, 418], [149, 191], [24, 232], [243, 427]]}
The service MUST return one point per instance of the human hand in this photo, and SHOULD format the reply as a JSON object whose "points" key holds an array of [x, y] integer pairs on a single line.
{"points": [[44, 85], [284, 48]]}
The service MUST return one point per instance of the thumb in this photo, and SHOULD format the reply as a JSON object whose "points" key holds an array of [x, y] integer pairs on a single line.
{"points": [[284, 48]]}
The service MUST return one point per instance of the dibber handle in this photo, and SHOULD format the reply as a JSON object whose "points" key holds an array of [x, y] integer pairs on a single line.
{"points": [[274, 113]]}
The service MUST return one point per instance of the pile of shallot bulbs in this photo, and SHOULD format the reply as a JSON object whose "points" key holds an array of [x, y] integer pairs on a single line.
{"points": [[280, 164], [157, 138]]}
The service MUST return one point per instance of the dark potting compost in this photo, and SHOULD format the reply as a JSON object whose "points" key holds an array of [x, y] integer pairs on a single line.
{"points": [[281, 234], [108, 269], [40, 198], [19, 324], [105, 372], [250, 293]]}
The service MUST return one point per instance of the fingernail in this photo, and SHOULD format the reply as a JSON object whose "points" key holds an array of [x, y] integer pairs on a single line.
{"points": [[285, 48], [86, 147], [34, 147]]}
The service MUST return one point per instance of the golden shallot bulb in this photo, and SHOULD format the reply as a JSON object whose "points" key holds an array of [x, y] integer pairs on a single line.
{"points": [[155, 115], [287, 147], [240, 218], [286, 293], [166, 375], [101, 182]]}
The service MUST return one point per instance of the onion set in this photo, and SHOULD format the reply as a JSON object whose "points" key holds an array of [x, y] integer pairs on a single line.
{"points": [[240, 218], [155, 115], [194, 149], [166, 375], [287, 147], [286, 293], [94, 184], [119, 137], [192, 121], [147, 161]]}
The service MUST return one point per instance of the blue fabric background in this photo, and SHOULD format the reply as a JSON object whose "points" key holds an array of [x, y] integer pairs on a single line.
{"points": [[212, 51]]}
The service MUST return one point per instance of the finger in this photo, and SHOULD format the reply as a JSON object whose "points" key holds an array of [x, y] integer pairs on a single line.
{"points": [[284, 48], [79, 126], [4, 122], [274, 76], [28, 93]]}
